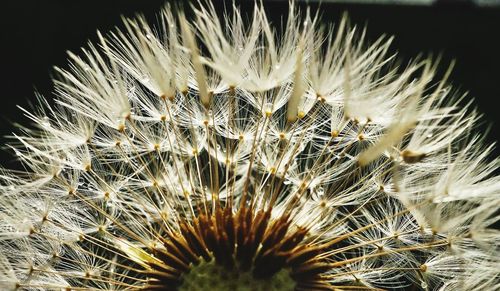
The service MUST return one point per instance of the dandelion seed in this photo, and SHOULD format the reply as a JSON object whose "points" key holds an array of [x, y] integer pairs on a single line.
{"points": [[216, 154]]}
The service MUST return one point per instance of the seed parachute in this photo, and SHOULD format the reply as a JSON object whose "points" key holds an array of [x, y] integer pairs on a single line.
{"points": [[222, 152]]}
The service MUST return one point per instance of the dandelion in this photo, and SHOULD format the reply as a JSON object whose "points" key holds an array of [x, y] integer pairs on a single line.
{"points": [[220, 154]]}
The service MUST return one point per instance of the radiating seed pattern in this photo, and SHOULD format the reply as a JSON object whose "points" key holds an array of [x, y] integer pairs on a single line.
{"points": [[224, 152]]}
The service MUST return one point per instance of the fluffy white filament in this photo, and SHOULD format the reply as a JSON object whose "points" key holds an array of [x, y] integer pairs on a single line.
{"points": [[153, 125]]}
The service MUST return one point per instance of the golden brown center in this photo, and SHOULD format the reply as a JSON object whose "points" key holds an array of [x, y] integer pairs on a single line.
{"points": [[235, 248]]}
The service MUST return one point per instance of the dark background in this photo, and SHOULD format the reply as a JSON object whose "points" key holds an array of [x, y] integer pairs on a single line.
{"points": [[35, 36]]}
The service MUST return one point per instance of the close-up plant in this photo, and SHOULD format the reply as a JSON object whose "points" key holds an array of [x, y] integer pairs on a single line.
{"points": [[209, 152]]}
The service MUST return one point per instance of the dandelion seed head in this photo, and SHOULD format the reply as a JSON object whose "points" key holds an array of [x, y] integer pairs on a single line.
{"points": [[229, 154]]}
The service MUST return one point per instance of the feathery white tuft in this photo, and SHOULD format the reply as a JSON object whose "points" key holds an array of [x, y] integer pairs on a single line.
{"points": [[155, 128]]}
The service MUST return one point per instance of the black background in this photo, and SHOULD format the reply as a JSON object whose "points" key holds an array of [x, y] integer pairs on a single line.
{"points": [[35, 35]]}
